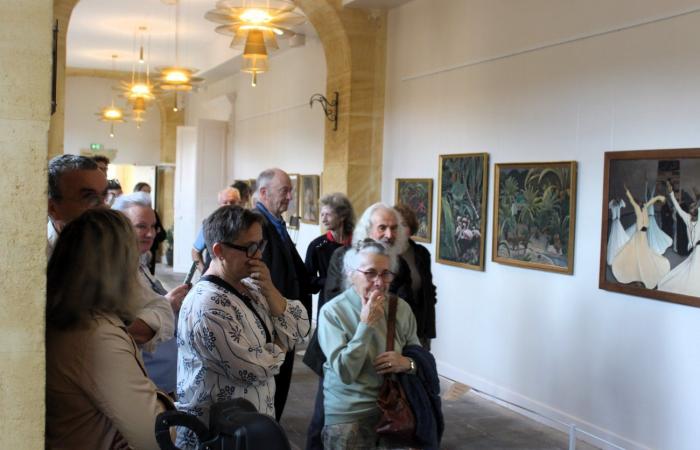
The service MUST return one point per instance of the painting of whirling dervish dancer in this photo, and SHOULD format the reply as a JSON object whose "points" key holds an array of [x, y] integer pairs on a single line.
{"points": [[685, 277], [636, 261], [658, 240], [618, 237], [649, 228]]}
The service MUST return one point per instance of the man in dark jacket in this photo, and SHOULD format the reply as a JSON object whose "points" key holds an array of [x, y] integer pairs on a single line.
{"points": [[274, 191]]}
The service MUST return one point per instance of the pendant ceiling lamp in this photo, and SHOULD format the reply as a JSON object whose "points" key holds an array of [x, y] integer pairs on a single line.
{"points": [[112, 114], [177, 78], [140, 88], [256, 25]]}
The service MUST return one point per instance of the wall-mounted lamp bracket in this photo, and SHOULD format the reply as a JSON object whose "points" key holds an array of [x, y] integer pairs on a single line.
{"points": [[330, 108]]}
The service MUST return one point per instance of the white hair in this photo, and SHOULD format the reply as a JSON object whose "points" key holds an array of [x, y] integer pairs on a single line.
{"points": [[353, 257], [124, 202], [364, 226]]}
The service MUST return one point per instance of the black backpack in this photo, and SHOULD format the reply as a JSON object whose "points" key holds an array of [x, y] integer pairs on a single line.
{"points": [[233, 425]]}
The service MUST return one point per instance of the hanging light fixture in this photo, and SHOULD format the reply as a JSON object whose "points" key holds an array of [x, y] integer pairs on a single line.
{"points": [[177, 78], [140, 88], [112, 114], [255, 24]]}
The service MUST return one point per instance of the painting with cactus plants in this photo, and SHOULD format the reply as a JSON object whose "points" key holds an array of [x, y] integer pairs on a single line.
{"points": [[463, 184], [650, 244], [534, 215]]}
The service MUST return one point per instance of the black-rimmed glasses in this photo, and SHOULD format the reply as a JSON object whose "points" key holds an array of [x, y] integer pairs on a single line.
{"points": [[250, 249], [371, 275]]}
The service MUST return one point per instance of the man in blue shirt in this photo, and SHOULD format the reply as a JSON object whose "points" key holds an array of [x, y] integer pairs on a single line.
{"points": [[229, 196], [274, 192]]}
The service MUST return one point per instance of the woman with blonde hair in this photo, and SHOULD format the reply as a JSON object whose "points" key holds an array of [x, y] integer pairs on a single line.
{"points": [[98, 395]]}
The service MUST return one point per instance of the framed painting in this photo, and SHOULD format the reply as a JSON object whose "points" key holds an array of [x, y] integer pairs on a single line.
{"points": [[534, 215], [650, 239], [310, 185], [291, 216], [463, 184], [417, 194]]}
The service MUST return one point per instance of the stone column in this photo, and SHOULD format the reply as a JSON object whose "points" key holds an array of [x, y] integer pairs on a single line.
{"points": [[25, 96], [354, 42]]}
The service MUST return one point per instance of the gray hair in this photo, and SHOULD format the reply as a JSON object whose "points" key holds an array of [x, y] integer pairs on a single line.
{"points": [[264, 179], [227, 222], [341, 205], [62, 164], [124, 202], [368, 246], [364, 226]]}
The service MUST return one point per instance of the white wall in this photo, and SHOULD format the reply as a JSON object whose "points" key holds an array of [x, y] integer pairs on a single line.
{"points": [[271, 125], [467, 76], [86, 96]]}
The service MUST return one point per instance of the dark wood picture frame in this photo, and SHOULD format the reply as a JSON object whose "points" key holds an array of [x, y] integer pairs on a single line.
{"points": [[534, 215], [644, 175], [463, 189], [417, 194]]}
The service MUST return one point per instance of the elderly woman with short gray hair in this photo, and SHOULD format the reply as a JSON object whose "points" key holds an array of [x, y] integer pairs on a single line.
{"points": [[352, 333], [160, 361]]}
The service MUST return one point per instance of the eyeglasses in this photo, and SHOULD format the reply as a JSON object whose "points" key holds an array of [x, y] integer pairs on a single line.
{"points": [[371, 275], [250, 249]]}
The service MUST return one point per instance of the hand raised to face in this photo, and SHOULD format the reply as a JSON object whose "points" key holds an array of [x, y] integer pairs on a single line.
{"points": [[372, 308]]}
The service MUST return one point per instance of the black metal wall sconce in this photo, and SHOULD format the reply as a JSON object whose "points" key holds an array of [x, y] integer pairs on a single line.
{"points": [[329, 108]]}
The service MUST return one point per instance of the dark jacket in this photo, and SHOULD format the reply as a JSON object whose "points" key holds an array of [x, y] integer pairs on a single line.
{"points": [[424, 306], [318, 258], [286, 267], [423, 394]]}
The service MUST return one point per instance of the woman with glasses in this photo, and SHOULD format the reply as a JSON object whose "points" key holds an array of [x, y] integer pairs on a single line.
{"points": [[160, 360], [234, 326], [352, 334]]}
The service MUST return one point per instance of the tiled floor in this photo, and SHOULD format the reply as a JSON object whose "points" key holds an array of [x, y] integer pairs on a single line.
{"points": [[471, 422]]}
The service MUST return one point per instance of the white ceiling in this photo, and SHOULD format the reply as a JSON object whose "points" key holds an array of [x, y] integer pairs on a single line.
{"points": [[100, 28]]}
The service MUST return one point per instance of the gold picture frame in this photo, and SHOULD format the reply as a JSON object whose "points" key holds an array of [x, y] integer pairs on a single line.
{"points": [[534, 215], [291, 215], [463, 189], [417, 194], [310, 189]]}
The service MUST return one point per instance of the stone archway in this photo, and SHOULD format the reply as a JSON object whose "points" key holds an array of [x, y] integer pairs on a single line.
{"points": [[354, 42]]}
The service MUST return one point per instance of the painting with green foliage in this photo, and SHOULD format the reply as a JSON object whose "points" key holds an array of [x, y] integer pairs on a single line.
{"points": [[534, 215], [462, 210], [417, 194]]}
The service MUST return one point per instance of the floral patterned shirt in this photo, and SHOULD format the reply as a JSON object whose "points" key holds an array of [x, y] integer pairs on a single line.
{"points": [[226, 349]]}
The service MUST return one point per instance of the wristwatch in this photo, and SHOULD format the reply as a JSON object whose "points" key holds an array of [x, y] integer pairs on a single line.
{"points": [[413, 368]]}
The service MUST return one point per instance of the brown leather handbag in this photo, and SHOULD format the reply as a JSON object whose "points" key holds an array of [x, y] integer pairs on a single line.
{"points": [[397, 423]]}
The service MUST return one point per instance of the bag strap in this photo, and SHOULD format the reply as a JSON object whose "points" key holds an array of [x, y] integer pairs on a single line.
{"points": [[391, 323]]}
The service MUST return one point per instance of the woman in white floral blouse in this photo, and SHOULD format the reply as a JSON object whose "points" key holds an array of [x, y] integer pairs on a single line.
{"points": [[234, 326]]}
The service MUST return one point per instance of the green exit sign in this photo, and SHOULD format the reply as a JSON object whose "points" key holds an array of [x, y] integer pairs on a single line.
{"points": [[95, 147]]}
